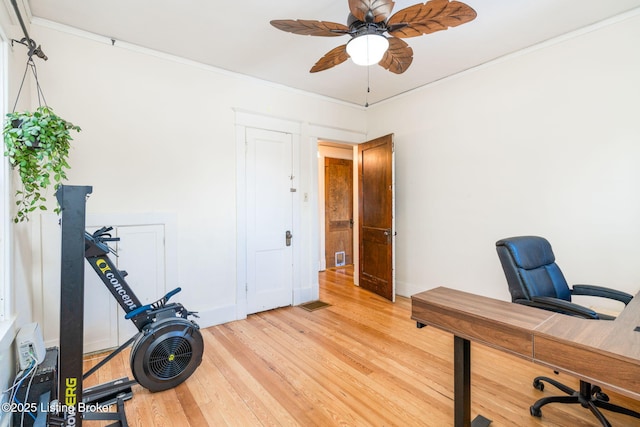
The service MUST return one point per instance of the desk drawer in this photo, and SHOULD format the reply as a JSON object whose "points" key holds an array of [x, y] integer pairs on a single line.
{"points": [[591, 365], [490, 332]]}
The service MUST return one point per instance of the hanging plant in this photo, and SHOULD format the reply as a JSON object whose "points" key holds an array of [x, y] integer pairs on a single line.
{"points": [[37, 145]]}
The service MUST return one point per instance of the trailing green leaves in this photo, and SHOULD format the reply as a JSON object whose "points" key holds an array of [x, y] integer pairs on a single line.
{"points": [[37, 145]]}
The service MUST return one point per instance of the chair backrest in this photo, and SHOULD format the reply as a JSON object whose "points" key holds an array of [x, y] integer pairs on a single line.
{"points": [[529, 265]]}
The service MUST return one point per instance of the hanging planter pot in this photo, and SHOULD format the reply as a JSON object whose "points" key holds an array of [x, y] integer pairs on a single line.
{"points": [[37, 145], [17, 124]]}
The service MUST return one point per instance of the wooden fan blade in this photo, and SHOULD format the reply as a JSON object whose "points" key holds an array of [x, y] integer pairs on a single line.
{"points": [[310, 28], [398, 57], [434, 15], [331, 59], [374, 10]]}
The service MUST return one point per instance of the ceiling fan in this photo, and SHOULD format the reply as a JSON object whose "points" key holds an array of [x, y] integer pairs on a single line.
{"points": [[367, 23]]}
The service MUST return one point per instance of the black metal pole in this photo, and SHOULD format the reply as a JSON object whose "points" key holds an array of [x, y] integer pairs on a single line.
{"points": [[72, 200], [28, 41], [24, 27]]}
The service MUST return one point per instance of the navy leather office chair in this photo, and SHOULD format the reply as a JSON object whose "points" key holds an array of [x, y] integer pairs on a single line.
{"points": [[535, 280]]}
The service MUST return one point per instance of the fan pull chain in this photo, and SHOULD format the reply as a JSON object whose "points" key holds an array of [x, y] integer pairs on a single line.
{"points": [[366, 102]]}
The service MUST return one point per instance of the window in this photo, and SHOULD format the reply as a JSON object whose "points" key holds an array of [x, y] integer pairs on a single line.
{"points": [[5, 290]]}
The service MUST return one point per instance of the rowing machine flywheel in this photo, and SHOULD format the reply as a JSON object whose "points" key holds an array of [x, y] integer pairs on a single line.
{"points": [[166, 354]]}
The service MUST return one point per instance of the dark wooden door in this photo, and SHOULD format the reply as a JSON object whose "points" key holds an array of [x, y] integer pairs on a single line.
{"points": [[375, 183], [338, 189]]}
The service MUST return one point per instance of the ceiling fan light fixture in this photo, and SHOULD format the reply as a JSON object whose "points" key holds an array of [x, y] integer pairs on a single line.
{"points": [[367, 49], [377, 34]]}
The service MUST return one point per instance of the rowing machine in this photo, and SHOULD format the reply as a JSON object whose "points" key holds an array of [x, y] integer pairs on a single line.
{"points": [[166, 350]]}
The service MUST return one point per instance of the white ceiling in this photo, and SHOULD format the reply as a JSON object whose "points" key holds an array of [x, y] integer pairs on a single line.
{"points": [[236, 36]]}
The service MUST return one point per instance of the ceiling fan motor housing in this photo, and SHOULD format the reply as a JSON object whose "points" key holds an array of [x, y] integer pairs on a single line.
{"points": [[359, 28]]}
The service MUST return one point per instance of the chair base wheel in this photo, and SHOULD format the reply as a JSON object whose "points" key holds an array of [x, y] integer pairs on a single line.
{"points": [[536, 412], [590, 397], [597, 393]]}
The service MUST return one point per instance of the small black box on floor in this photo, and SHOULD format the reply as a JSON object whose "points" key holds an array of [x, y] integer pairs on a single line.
{"points": [[45, 380]]}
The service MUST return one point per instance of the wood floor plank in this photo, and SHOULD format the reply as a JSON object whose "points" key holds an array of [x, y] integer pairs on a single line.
{"points": [[309, 390], [336, 375], [258, 398], [361, 361], [281, 383], [370, 358]]}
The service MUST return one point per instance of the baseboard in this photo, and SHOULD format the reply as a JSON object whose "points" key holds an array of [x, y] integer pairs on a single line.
{"points": [[216, 316], [302, 295], [407, 289]]}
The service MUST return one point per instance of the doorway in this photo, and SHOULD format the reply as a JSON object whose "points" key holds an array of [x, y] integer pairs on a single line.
{"points": [[336, 204], [373, 228]]}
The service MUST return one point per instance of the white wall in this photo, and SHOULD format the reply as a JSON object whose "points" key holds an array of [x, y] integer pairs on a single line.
{"points": [[543, 142], [158, 135]]}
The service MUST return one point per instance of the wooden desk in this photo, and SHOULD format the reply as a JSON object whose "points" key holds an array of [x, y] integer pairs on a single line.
{"points": [[606, 353]]}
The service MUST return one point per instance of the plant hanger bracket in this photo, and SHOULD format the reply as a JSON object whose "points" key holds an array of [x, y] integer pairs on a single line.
{"points": [[34, 49], [27, 41], [36, 141]]}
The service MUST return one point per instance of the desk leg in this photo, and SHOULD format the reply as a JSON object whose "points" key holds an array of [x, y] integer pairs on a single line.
{"points": [[462, 386], [461, 382]]}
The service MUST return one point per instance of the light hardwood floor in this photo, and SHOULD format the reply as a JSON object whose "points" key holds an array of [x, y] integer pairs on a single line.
{"points": [[359, 362]]}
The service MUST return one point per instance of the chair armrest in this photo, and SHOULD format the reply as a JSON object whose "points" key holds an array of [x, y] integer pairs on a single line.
{"points": [[560, 306], [601, 291]]}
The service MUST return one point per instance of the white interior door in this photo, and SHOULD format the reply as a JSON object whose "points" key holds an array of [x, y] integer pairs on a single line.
{"points": [[141, 254], [100, 310], [269, 220]]}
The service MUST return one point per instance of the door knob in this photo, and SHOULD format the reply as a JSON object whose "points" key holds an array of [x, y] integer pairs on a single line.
{"points": [[288, 237]]}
